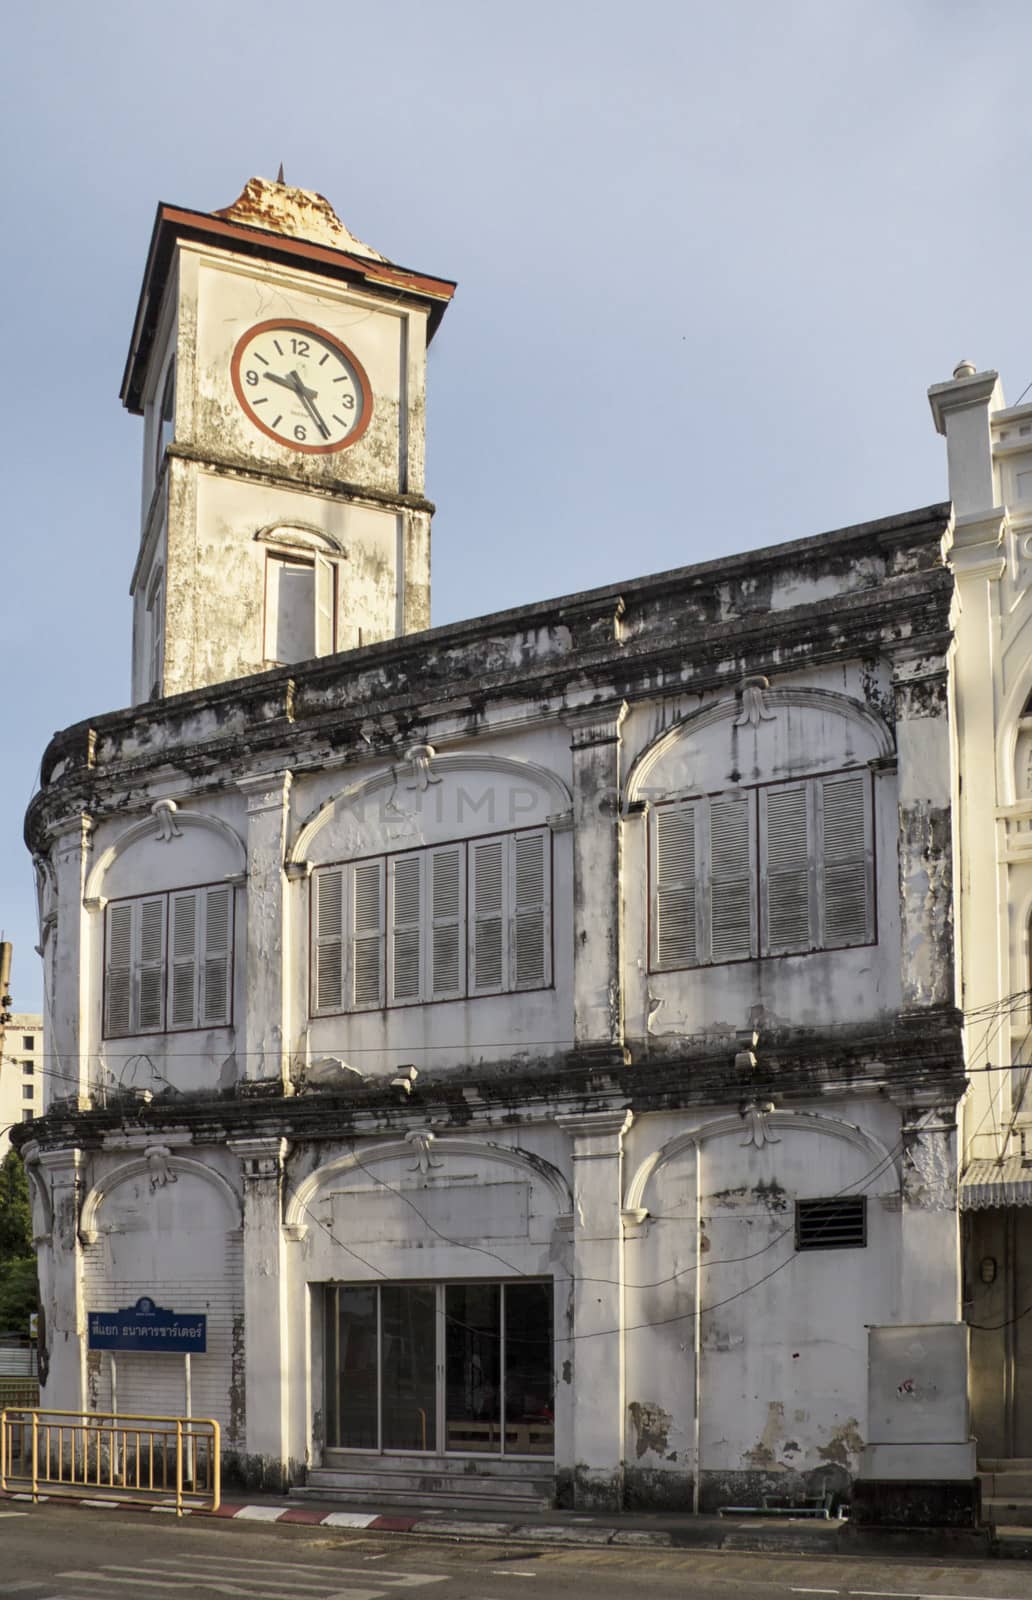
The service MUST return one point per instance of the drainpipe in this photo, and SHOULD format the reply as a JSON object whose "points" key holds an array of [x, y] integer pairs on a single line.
{"points": [[697, 1333]]}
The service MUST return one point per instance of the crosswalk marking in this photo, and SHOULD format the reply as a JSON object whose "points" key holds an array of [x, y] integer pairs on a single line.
{"points": [[399, 1580], [144, 1580], [244, 1577]]}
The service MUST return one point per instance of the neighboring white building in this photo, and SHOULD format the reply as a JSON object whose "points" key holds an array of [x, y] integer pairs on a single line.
{"points": [[531, 1042], [989, 448], [21, 1074]]}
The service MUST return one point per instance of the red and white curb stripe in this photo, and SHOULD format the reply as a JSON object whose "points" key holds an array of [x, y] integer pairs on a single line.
{"points": [[383, 1522]]}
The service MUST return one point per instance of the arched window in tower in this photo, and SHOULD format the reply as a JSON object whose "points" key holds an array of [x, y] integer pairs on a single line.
{"points": [[301, 598], [166, 418]]}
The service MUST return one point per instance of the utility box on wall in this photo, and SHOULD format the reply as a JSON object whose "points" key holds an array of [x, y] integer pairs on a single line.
{"points": [[919, 1465]]}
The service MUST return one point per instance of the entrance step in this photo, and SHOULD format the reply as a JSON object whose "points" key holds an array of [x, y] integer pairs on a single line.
{"points": [[1005, 1464], [431, 1486], [1006, 1485], [1007, 1512]]}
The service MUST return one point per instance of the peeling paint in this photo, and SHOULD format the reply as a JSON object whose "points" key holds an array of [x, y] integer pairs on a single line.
{"points": [[651, 1427]]}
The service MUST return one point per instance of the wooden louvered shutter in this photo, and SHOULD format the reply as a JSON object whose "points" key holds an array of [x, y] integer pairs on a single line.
{"points": [[675, 936], [328, 938], [529, 939], [488, 930], [183, 966], [150, 967], [218, 956], [367, 940], [731, 896], [447, 916], [325, 595], [405, 890], [845, 861], [786, 869], [118, 975]]}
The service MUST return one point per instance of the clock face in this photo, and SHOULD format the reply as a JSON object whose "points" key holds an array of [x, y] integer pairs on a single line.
{"points": [[301, 386]]}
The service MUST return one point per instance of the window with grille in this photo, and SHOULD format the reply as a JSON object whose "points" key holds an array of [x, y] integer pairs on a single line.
{"points": [[168, 961], [838, 1224], [777, 870], [443, 923]]}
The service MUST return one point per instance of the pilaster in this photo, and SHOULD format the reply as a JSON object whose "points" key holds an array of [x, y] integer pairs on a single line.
{"points": [[56, 1186], [269, 957], [266, 1345], [77, 961], [921, 694], [598, 1011], [930, 1282], [598, 1307]]}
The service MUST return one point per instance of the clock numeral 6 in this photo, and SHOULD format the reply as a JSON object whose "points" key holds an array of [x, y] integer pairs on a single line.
{"points": [[299, 432], [252, 378]]}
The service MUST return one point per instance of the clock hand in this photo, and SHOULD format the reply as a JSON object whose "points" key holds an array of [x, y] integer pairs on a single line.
{"points": [[292, 382], [303, 395]]}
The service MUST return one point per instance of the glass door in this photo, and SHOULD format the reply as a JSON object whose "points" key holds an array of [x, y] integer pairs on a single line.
{"points": [[464, 1368]]}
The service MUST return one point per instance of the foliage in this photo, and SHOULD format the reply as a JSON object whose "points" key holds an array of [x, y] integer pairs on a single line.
{"points": [[15, 1211], [19, 1293]]}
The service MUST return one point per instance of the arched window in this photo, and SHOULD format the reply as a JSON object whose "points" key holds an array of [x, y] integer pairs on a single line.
{"points": [[301, 594], [166, 419]]}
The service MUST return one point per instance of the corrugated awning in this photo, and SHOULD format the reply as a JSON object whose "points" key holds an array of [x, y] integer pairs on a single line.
{"points": [[996, 1183]]}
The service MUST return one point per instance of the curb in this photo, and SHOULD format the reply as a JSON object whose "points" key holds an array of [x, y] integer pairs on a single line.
{"points": [[377, 1522]]}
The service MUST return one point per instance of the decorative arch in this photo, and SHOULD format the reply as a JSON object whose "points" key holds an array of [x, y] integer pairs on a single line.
{"points": [[443, 765], [165, 821], [722, 1127], [300, 536], [530, 1167], [88, 1231], [729, 707]]}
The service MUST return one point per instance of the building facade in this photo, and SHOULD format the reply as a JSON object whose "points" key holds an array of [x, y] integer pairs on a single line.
{"points": [[532, 1043], [21, 1074], [989, 449]]}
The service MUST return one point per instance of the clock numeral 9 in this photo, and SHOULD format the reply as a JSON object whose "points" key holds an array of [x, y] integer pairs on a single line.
{"points": [[299, 433], [252, 378]]}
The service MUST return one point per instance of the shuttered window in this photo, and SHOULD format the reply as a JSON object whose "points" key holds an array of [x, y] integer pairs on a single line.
{"points": [[169, 961], [703, 869], [471, 918], [778, 870]]}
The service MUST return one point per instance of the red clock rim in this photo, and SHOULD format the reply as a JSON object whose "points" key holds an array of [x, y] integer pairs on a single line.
{"points": [[326, 338]]}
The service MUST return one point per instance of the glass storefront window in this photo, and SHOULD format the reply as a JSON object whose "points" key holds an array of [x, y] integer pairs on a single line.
{"points": [[460, 1367], [407, 1366]]}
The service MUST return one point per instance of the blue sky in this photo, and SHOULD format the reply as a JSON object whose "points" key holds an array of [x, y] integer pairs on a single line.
{"points": [[709, 260]]}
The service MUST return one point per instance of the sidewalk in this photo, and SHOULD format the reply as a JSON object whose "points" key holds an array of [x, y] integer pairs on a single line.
{"points": [[787, 1535]]}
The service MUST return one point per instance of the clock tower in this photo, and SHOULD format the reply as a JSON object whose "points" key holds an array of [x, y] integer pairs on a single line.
{"points": [[280, 367]]}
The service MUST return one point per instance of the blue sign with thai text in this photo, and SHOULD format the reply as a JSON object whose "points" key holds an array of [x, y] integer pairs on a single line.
{"points": [[146, 1326]]}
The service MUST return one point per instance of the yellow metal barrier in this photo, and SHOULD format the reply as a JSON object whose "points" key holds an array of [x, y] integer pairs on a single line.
{"points": [[162, 1460]]}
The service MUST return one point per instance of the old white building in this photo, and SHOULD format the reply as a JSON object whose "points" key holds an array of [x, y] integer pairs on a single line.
{"points": [[989, 447], [531, 1043], [21, 1074]]}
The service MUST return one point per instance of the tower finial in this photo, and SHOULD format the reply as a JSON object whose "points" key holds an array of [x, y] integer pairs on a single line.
{"points": [[279, 176]]}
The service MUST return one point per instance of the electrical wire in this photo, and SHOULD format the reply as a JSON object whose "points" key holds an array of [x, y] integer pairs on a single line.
{"points": [[868, 1178]]}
